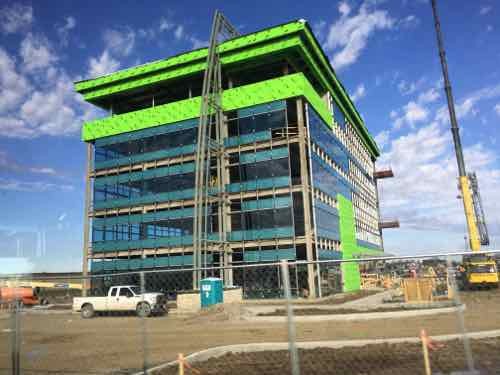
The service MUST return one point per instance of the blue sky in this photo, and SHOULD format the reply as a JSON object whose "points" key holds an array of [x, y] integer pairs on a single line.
{"points": [[384, 52]]}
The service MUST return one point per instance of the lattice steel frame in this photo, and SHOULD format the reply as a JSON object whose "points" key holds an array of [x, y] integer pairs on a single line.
{"points": [[211, 115]]}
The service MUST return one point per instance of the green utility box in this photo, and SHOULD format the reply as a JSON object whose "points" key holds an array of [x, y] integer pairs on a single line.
{"points": [[211, 292]]}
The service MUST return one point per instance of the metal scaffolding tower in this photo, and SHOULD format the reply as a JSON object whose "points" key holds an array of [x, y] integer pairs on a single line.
{"points": [[209, 182]]}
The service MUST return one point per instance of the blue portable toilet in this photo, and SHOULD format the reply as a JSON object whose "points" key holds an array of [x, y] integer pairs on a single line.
{"points": [[211, 292]]}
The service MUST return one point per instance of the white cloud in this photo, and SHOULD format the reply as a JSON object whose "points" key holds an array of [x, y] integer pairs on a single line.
{"points": [[197, 43], [344, 8], [429, 96], [102, 65], [485, 9], [489, 28], [359, 93], [37, 96], [413, 113], [15, 17], [32, 186], [497, 109], [348, 36], [468, 105], [13, 86], [36, 52], [166, 25], [10, 165], [319, 29], [119, 42], [63, 30], [408, 88], [51, 112], [409, 22], [423, 193], [179, 32], [382, 138]]}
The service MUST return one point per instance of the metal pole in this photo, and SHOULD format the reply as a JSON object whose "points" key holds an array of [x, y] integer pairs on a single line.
{"points": [[292, 348], [16, 339], [460, 316], [86, 221], [144, 332]]}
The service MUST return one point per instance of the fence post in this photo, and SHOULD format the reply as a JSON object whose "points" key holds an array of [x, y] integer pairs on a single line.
{"points": [[460, 316], [16, 338], [292, 347], [144, 328]]}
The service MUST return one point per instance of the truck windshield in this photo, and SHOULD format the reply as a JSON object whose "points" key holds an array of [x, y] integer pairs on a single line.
{"points": [[483, 268]]}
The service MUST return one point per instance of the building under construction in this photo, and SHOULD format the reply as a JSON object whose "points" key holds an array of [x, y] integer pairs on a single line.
{"points": [[288, 175]]}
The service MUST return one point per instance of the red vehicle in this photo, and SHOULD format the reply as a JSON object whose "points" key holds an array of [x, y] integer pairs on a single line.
{"points": [[24, 294]]}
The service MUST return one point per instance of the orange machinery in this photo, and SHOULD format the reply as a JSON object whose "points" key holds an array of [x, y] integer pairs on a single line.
{"points": [[26, 295]]}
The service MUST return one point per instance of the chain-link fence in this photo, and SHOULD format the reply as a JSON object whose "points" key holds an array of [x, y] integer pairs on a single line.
{"points": [[415, 315]]}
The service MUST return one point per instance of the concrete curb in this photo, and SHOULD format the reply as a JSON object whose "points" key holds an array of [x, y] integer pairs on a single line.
{"points": [[219, 351], [355, 316]]}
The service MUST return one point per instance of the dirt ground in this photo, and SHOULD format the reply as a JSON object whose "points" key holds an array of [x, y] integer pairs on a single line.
{"points": [[335, 299], [341, 311], [370, 360], [59, 342]]}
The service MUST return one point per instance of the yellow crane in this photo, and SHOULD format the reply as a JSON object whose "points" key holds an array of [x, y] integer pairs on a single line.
{"points": [[477, 270]]}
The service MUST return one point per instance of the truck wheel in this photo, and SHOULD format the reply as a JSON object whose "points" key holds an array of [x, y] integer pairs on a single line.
{"points": [[143, 310], [87, 311]]}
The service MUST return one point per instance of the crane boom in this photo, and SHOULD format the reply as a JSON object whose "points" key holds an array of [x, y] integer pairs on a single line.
{"points": [[471, 215]]}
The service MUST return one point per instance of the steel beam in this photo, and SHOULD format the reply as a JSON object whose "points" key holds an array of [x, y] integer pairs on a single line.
{"points": [[306, 198]]}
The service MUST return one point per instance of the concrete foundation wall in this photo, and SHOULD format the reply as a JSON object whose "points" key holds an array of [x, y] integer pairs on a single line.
{"points": [[190, 302]]}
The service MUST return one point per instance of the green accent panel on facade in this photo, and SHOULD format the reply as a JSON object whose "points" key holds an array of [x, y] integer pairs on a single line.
{"points": [[142, 119], [350, 270], [285, 87]]}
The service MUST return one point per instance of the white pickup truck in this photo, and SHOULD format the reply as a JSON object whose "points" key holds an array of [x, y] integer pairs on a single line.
{"points": [[122, 298]]}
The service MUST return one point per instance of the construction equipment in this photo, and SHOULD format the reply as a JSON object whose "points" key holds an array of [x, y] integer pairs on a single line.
{"points": [[209, 177], [468, 186], [24, 295], [478, 272]]}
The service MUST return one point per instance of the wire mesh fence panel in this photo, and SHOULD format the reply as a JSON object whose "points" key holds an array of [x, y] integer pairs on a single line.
{"points": [[376, 316]]}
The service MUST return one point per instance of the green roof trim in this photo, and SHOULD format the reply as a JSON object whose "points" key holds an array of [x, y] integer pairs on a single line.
{"points": [[190, 69], [295, 35], [243, 41], [285, 87]]}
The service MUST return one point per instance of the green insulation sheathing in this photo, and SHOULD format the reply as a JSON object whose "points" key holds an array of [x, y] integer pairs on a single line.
{"points": [[288, 86], [242, 42], [293, 37], [350, 270]]}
